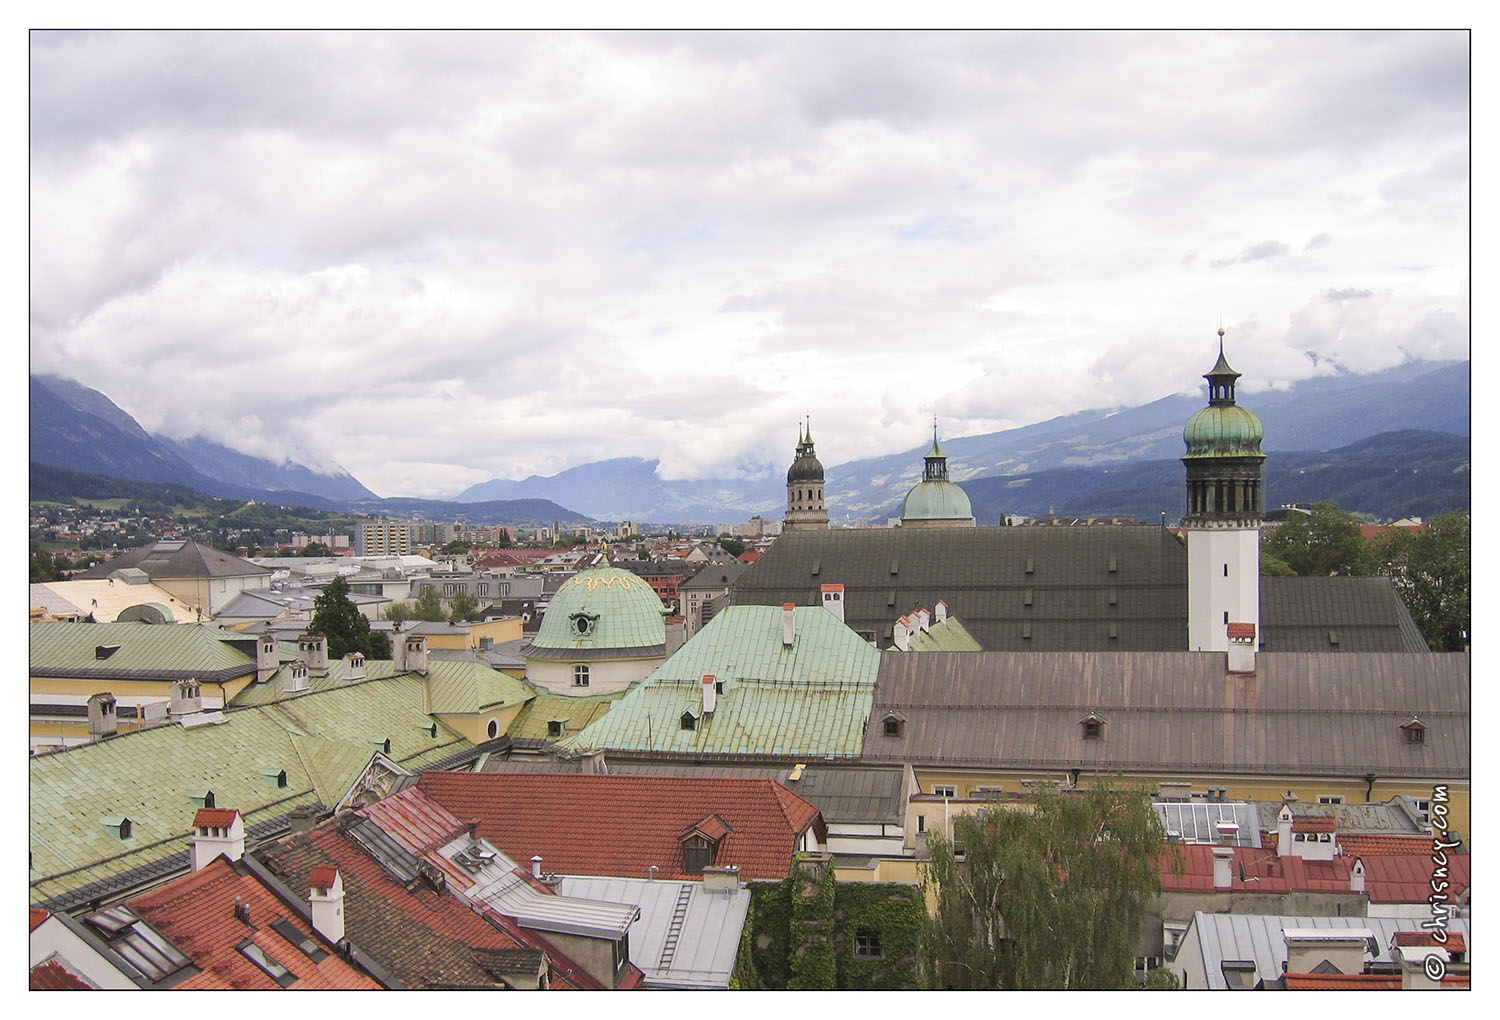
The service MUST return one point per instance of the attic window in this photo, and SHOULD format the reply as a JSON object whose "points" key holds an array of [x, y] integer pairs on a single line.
{"points": [[1093, 727], [273, 775], [1114, 596], [289, 931], [697, 854], [1030, 564], [895, 566], [274, 970], [1114, 630], [688, 721], [817, 560], [583, 623], [105, 651], [1415, 730], [554, 727], [1114, 563], [1026, 598], [1026, 630], [119, 825], [890, 597], [893, 726], [1333, 638]]}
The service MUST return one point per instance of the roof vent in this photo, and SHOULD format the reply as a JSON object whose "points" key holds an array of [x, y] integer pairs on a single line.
{"points": [[105, 651]]}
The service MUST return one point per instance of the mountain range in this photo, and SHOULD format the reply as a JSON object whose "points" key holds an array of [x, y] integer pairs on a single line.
{"points": [[1101, 462]]}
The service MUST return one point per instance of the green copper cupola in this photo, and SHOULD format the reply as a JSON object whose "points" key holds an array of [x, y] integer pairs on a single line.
{"points": [[1223, 458]]}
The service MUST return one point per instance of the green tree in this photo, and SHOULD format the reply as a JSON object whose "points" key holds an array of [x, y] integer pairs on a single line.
{"points": [[464, 607], [455, 548], [428, 606], [43, 566], [1053, 897], [1324, 542], [1273, 566], [732, 546], [316, 549], [397, 612], [1431, 570], [345, 627]]}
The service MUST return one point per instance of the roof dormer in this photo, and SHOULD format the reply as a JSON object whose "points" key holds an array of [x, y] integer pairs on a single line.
{"points": [[1415, 731], [1093, 726], [700, 843]]}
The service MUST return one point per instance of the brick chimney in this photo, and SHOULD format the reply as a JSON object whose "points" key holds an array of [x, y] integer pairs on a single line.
{"points": [[325, 896], [267, 662], [788, 624], [1223, 858], [217, 832], [710, 694], [833, 600], [102, 719]]}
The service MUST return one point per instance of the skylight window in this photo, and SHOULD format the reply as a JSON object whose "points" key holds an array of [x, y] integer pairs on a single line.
{"points": [[274, 970], [289, 931]]}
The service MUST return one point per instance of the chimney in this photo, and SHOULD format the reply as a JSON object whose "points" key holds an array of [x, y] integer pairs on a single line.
{"points": [[325, 896], [266, 659], [536, 866], [594, 763], [1357, 875], [186, 698], [833, 600], [302, 819], [710, 695], [1223, 857], [296, 681], [924, 620], [241, 911], [473, 826], [102, 719], [1284, 830], [1241, 658], [1229, 832], [901, 634], [725, 878], [940, 612], [217, 832], [416, 653], [312, 649], [354, 666], [676, 633], [788, 624]]}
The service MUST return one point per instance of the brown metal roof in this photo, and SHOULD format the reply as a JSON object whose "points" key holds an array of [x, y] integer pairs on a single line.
{"points": [[1298, 714]]}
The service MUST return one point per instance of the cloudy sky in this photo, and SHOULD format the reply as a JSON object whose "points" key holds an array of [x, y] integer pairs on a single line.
{"points": [[439, 258]]}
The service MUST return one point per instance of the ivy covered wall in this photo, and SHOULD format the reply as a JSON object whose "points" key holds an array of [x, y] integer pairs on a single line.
{"points": [[811, 932]]}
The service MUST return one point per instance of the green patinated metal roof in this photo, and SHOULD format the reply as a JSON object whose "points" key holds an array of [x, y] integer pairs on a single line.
{"points": [[936, 501], [948, 636], [531, 722], [1223, 430], [321, 741], [620, 610], [274, 689], [70, 650], [812, 698], [465, 688]]}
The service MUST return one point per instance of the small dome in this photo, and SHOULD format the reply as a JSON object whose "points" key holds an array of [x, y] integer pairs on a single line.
{"points": [[936, 501], [1223, 430], [605, 607], [805, 469]]}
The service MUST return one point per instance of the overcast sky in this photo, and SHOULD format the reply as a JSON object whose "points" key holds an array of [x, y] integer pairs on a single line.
{"points": [[439, 258]]}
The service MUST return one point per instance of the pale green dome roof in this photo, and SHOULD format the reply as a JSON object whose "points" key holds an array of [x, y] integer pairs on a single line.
{"points": [[936, 501], [1223, 430], [603, 608]]}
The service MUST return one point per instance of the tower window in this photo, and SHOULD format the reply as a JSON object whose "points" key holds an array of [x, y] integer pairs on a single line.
{"points": [[1226, 616], [1226, 570], [581, 675]]}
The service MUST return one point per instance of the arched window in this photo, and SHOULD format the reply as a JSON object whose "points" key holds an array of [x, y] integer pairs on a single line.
{"points": [[581, 675]]}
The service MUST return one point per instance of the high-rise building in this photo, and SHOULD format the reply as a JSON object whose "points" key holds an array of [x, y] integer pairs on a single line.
{"points": [[385, 538]]}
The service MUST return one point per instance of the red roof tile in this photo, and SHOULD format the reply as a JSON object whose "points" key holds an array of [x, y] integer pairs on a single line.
{"points": [[51, 976], [1357, 845], [322, 878], [38, 915], [1359, 982], [196, 914], [214, 818], [1242, 630], [1454, 940], [1263, 871], [561, 816], [1408, 878]]}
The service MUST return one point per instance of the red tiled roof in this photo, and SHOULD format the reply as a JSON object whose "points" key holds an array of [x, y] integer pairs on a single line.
{"points": [[713, 827], [196, 914], [1407, 878], [322, 878], [561, 816], [51, 976], [38, 915], [1454, 943], [1313, 824], [1359, 982], [214, 818], [1357, 845], [1263, 871], [1242, 630]]}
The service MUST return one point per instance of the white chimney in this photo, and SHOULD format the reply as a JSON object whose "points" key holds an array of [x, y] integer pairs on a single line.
{"points": [[313, 650], [1357, 875], [536, 866], [788, 624], [267, 662], [354, 666], [940, 612], [710, 695], [102, 719], [296, 681], [901, 634], [326, 898], [186, 698], [416, 653], [217, 832], [833, 600], [1241, 658], [924, 620], [1223, 857], [1284, 831]]}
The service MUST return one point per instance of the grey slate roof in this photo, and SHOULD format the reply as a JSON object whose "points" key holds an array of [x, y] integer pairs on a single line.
{"points": [[714, 576], [1300, 713], [982, 573], [1218, 937], [176, 559], [1394, 817], [687, 936]]}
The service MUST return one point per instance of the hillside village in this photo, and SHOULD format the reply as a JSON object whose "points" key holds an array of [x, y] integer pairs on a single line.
{"points": [[729, 760]]}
